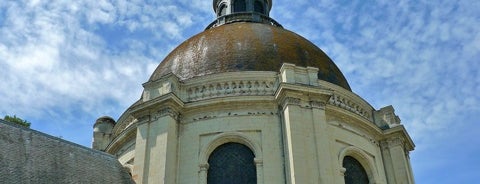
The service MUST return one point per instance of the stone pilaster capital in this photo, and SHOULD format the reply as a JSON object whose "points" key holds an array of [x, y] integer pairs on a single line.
{"points": [[291, 101], [396, 141], [392, 142], [143, 119], [167, 111], [317, 104], [383, 145]]}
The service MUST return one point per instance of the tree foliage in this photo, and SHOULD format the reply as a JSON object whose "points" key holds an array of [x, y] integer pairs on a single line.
{"points": [[17, 120]]}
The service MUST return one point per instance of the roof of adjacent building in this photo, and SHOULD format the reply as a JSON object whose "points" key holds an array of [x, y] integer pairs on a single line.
{"points": [[29, 156], [246, 46]]}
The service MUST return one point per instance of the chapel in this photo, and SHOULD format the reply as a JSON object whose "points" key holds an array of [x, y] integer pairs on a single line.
{"points": [[247, 101]]}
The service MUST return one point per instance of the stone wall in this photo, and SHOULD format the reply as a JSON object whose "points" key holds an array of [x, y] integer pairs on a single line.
{"points": [[29, 156]]}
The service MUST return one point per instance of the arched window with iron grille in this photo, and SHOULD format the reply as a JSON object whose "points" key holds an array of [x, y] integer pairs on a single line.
{"points": [[232, 163], [355, 173]]}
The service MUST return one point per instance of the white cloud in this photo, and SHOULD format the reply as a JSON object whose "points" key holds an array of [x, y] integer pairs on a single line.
{"points": [[59, 59], [412, 49], [54, 54]]}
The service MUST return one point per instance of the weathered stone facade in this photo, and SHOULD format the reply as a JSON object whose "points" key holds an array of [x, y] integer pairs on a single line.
{"points": [[247, 81], [299, 128], [29, 156]]}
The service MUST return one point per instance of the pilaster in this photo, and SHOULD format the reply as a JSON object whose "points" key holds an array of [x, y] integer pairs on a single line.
{"points": [[304, 131], [162, 147], [395, 157], [140, 149], [157, 140], [322, 138], [203, 173], [259, 166], [299, 143]]}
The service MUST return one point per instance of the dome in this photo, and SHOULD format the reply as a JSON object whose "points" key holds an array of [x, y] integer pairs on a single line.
{"points": [[104, 120], [246, 46]]}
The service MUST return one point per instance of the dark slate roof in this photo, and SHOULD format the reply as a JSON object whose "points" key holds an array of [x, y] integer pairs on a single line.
{"points": [[246, 46], [29, 156]]}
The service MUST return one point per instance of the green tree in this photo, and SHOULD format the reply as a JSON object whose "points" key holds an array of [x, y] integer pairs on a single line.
{"points": [[17, 120]]}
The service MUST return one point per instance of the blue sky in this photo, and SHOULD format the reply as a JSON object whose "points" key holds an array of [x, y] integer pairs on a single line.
{"points": [[65, 63]]}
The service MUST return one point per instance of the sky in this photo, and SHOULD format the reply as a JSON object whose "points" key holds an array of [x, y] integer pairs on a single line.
{"points": [[63, 64]]}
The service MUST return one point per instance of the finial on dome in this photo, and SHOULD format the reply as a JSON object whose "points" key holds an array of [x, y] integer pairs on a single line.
{"points": [[226, 7], [229, 11]]}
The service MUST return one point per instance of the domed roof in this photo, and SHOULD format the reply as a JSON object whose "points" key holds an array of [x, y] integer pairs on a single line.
{"points": [[104, 120], [246, 46]]}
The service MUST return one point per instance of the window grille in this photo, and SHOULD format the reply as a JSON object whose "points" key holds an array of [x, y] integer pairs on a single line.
{"points": [[232, 163], [355, 173]]}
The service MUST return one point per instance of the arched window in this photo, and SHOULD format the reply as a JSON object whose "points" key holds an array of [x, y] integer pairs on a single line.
{"points": [[239, 6], [232, 163], [355, 173], [258, 7], [222, 10]]}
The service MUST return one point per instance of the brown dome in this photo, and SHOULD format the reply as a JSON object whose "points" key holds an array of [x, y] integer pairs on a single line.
{"points": [[245, 46]]}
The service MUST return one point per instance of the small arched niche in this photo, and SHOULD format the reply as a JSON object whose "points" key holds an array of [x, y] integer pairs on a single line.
{"points": [[222, 10], [239, 6], [259, 7]]}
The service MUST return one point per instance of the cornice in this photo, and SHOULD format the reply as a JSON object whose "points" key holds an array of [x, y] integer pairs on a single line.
{"points": [[125, 136], [302, 95], [229, 84], [398, 135], [168, 100], [351, 122], [229, 100]]}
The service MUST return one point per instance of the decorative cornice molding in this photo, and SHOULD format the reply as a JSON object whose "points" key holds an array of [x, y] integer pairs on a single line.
{"points": [[302, 95], [349, 105], [231, 88], [167, 100]]}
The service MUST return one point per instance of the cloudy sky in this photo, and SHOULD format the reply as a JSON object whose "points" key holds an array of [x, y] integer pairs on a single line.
{"points": [[65, 63]]}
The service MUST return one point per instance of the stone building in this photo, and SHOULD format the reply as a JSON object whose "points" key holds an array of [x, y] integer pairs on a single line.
{"points": [[247, 101], [29, 156]]}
